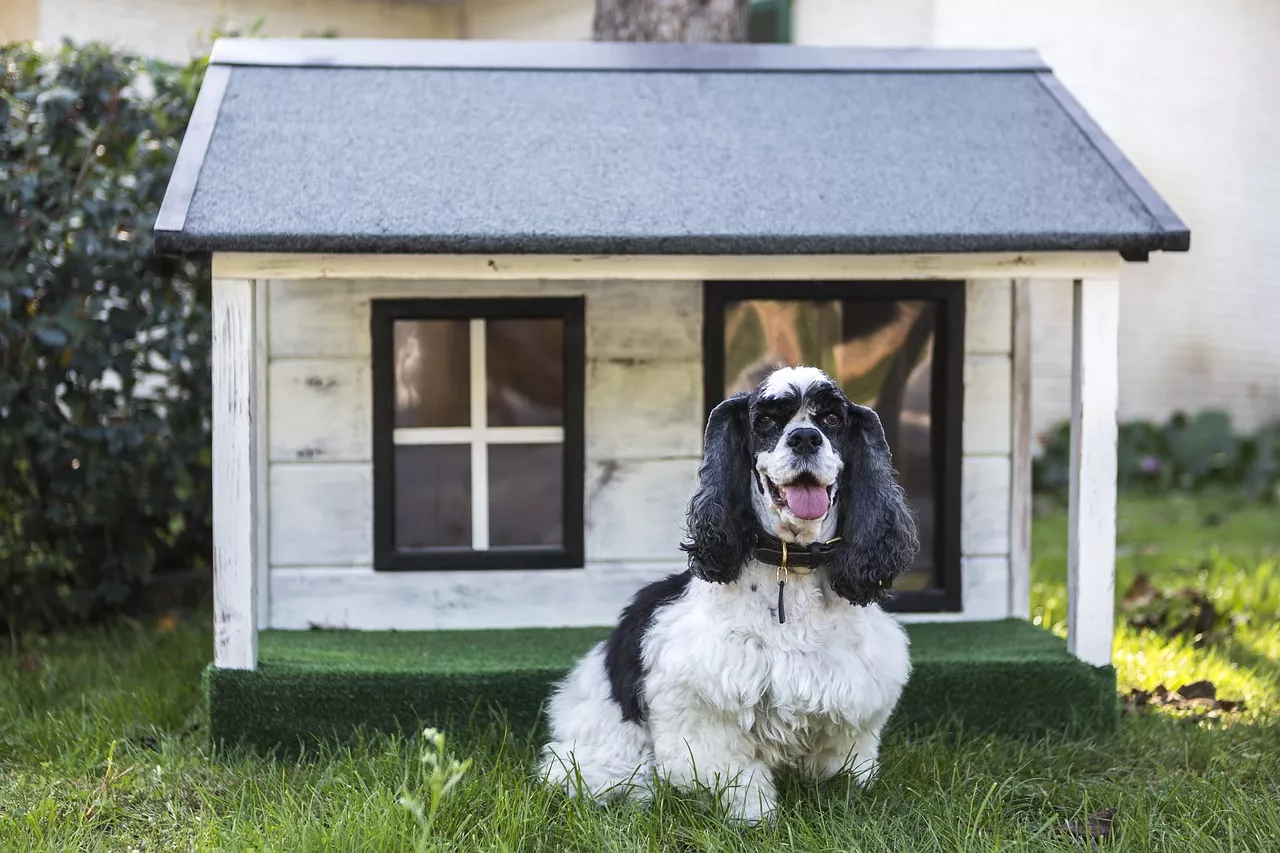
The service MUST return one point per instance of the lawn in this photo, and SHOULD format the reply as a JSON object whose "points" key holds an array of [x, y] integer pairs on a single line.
{"points": [[102, 746]]}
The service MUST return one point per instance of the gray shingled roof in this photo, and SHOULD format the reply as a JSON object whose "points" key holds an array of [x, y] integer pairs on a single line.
{"points": [[477, 147]]}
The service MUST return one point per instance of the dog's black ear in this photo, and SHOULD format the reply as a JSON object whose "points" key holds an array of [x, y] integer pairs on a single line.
{"points": [[878, 538], [721, 520]]}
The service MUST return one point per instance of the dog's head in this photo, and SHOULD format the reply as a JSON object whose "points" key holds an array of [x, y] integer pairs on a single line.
{"points": [[795, 459]]}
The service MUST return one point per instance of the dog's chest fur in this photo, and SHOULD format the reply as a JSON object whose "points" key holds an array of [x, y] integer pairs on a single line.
{"points": [[830, 665]]}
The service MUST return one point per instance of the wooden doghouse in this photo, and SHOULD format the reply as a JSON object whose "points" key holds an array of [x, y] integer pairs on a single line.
{"points": [[473, 301]]}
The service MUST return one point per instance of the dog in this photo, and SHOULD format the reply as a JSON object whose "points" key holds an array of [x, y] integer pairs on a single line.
{"points": [[771, 651]]}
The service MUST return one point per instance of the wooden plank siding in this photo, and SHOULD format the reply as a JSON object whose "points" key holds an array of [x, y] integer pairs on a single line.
{"points": [[644, 425]]}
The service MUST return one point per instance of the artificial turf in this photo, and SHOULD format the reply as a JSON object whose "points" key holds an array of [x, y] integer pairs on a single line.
{"points": [[1007, 676]]}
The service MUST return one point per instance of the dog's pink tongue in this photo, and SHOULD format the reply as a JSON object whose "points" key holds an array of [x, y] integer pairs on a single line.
{"points": [[806, 501]]}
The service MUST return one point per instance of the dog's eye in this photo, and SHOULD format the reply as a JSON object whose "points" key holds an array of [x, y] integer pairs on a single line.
{"points": [[832, 419], [764, 422]]}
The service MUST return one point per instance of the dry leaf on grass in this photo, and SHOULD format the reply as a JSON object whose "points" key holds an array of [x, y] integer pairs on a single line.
{"points": [[1199, 699], [1139, 594], [1186, 612], [1202, 689], [1097, 827]]}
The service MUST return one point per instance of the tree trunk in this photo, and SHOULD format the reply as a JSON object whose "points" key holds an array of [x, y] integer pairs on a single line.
{"points": [[670, 20]]}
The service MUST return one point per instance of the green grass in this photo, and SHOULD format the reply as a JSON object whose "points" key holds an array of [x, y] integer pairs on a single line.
{"points": [[102, 748]]}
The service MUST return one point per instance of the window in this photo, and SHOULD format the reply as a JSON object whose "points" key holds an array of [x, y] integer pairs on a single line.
{"points": [[769, 22], [894, 346], [477, 433]]}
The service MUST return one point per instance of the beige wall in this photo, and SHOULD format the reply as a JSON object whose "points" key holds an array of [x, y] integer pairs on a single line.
{"points": [[865, 22], [1190, 98], [19, 20], [175, 29], [536, 20]]}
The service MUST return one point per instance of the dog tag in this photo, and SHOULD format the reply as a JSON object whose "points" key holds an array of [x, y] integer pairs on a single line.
{"points": [[782, 610]]}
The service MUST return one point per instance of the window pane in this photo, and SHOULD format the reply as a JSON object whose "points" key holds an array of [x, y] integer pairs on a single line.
{"points": [[432, 373], [525, 363], [526, 488], [433, 496], [881, 354]]}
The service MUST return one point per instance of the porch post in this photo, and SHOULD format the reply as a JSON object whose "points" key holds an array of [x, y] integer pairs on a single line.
{"points": [[235, 475], [1020, 490], [1091, 561]]}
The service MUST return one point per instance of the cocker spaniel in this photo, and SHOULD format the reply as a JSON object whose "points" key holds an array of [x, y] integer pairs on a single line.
{"points": [[771, 651]]}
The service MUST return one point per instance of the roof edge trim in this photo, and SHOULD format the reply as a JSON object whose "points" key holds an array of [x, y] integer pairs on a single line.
{"points": [[195, 144], [1177, 234], [586, 245], [474, 55]]}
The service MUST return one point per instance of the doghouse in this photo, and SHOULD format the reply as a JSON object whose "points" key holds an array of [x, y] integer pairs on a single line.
{"points": [[473, 302]]}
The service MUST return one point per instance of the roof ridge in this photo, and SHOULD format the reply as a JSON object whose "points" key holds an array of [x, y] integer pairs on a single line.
{"points": [[475, 55]]}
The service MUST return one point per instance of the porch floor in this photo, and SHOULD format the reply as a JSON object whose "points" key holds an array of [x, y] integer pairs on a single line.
{"points": [[1006, 676]]}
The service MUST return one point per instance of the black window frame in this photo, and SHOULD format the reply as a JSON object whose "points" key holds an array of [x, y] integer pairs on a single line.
{"points": [[947, 403], [383, 315]]}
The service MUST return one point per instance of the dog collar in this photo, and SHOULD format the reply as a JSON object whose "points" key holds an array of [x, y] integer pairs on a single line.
{"points": [[796, 558], [791, 558]]}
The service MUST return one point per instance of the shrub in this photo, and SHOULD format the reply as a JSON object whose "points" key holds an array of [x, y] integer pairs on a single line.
{"points": [[1186, 453], [104, 381]]}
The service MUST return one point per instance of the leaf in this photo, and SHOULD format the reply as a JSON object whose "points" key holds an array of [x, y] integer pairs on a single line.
{"points": [[1195, 701], [50, 335], [1096, 827], [1139, 594], [85, 306], [1203, 689]]}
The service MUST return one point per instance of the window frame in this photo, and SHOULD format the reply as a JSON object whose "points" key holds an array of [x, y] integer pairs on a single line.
{"points": [[384, 313], [947, 401]]}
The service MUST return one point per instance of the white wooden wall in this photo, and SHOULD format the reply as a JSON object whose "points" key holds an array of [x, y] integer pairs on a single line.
{"points": [[643, 435], [987, 492], [643, 441]]}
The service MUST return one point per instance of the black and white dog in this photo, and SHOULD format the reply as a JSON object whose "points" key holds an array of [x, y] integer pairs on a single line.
{"points": [[771, 651]]}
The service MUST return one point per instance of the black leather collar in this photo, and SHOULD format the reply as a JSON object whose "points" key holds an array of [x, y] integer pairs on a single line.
{"points": [[769, 550]]}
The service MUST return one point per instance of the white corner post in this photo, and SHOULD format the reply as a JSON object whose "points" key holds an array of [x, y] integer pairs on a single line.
{"points": [[235, 474], [1020, 492], [1091, 560]]}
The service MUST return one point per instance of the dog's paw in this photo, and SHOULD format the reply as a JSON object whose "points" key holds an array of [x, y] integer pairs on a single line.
{"points": [[752, 806], [864, 773]]}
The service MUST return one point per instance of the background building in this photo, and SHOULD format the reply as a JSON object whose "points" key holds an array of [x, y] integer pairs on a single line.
{"points": [[1179, 92]]}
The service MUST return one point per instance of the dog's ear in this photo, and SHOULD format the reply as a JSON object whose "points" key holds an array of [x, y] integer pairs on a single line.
{"points": [[721, 520], [878, 538]]}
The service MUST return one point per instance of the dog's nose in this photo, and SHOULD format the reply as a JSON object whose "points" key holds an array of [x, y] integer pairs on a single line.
{"points": [[804, 441]]}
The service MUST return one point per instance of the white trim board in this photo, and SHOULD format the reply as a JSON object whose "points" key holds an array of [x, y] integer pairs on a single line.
{"points": [[235, 474], [1091, 525], [362, 599], [1020, 498], [261, 451], [668, 267]]}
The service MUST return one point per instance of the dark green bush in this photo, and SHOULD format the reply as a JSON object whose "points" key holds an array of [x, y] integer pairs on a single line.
{"points": [[1187, 453], [104, 381]]}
